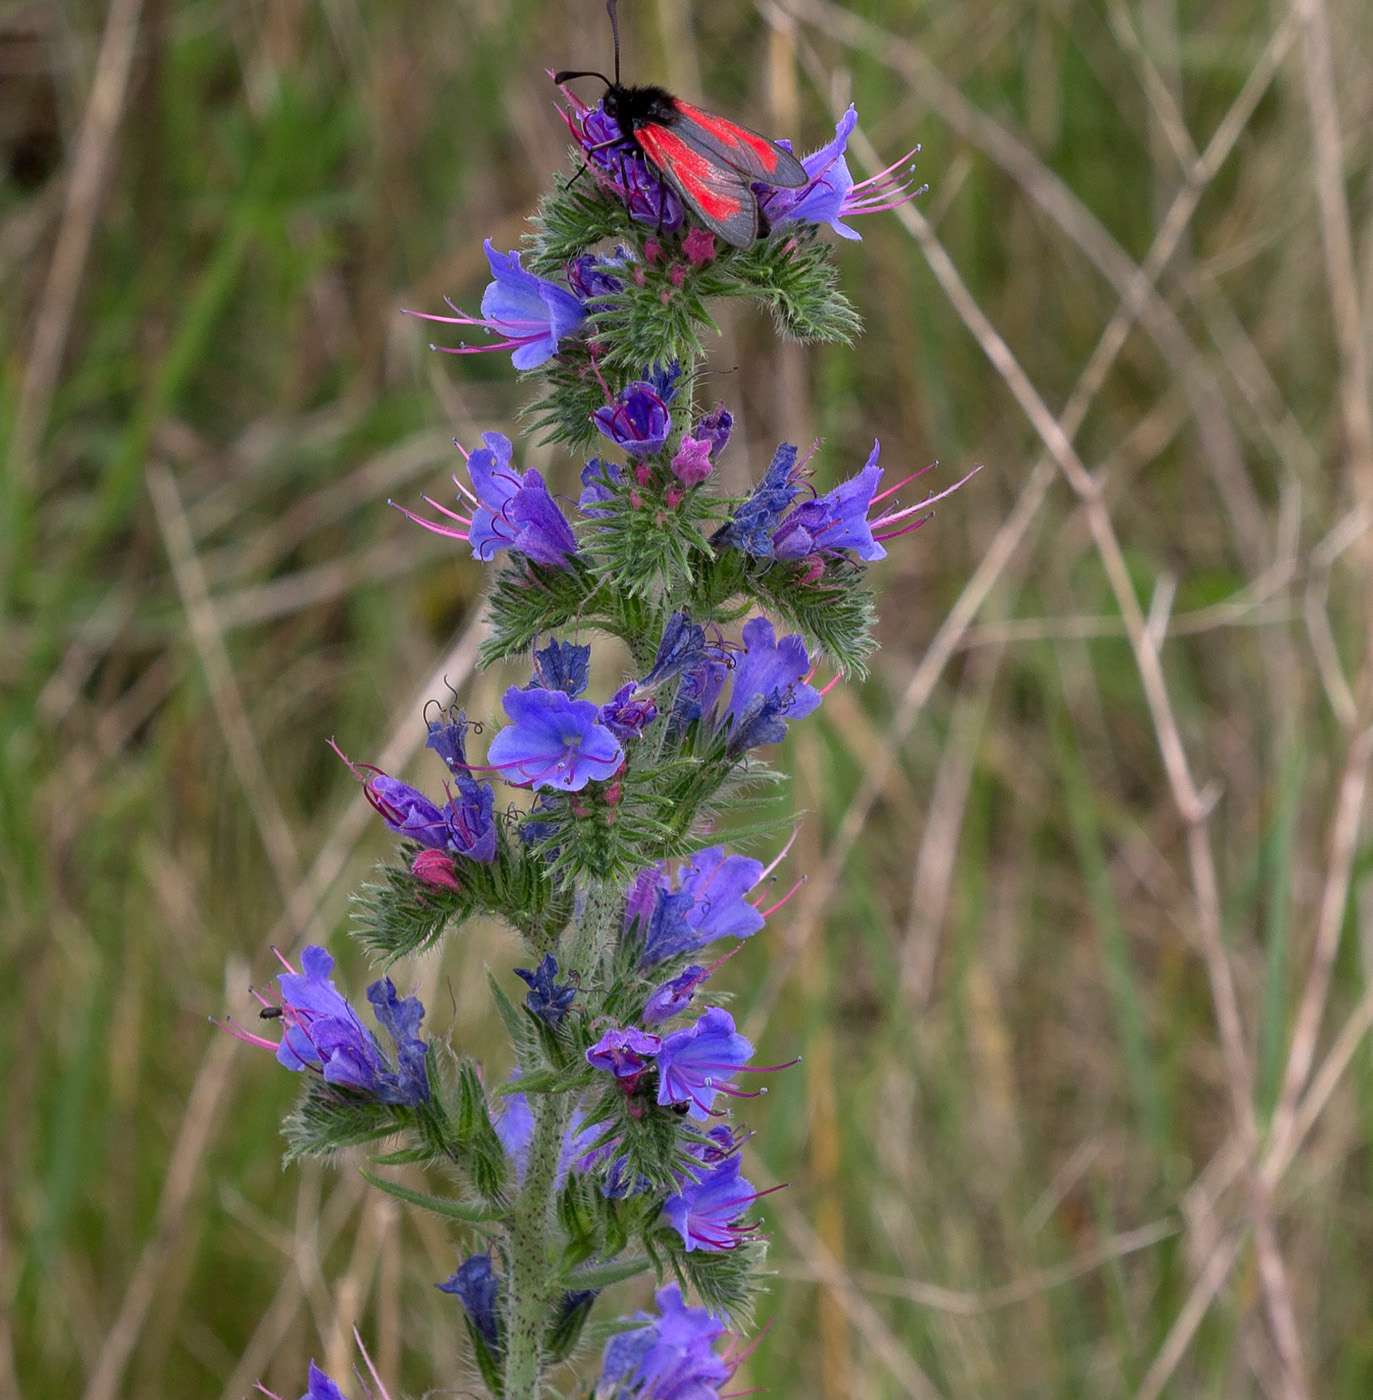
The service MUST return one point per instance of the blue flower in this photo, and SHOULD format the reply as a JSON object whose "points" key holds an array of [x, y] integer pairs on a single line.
{"points": [[706, 1213], [751, 526], [836, 520], [768, 688], [638, 421], [554, 742], [668, 1357], [715, 427], [593, 276], [704, 902], [625, 1053], [562, 666], [515, 1128], [546, 999], [830, 195], [321, 1387], [322, 1032], [599, 479], [529, 313], [683, 645], [510, 510], [478, 1290], [627, 714], [673, 996], [695, 1064]]}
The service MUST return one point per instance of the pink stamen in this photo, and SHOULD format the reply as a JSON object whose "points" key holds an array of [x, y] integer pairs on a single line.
{"points": [[358, 1339], [247, 1037], [825, 690], [893, 517], [466, 456], [781, 855], [906, 481], [905, 530], [432, 526], [768, 913], [443, 510]]}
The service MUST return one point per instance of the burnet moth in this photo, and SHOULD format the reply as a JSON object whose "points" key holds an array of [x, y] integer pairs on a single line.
{"points": [[710, 162]]}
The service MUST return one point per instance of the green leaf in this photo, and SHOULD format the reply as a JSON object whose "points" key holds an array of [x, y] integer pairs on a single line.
{"points": [[469, 1213], [603, 1275]]}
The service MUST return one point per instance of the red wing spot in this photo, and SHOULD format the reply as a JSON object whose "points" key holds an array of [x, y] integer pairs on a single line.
{"points": [[731, 135], [666, 149]]}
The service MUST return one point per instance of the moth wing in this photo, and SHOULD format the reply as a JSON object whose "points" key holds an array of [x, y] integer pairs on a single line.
{"points": [[748, 152], [716, 192]]}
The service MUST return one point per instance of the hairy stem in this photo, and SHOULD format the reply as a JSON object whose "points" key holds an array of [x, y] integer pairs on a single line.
{"points": [[530, 1294]]}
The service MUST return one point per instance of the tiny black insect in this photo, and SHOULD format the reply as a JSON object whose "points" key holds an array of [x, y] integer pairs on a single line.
{"points": [[270, 1013], [711, 162]]}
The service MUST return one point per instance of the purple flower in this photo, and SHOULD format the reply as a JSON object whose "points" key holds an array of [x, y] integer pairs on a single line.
{"points": [[699, 690], [836, 520], [593, 276], [830, 195], [509, 510], [705, 902], [768, 689], [695, 1064], [599, 480], [465, 824], [715, 427], [706, 1212], [322, 1032], [627, 714], [625, 1053], [562, 666], [515, 1128], [530, 313], [669, 1357], [638, 420], [619, 166], [751, 526], [320, 1386], [448, 739], [546, 999], [674, 996], [553, 742]]}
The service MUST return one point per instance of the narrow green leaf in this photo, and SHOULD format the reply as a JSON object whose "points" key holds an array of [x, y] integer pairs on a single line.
{"points": [[470, 1214]]}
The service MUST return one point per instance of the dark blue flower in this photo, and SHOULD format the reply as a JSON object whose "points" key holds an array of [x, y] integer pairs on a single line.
{"points": [[750, 528], [562, 666], [599, 479], [706, 1213], [477, 1288], [638, 421], [695, 1064], [699, 690], [401, 1017], [448, 739], [470, 818], [321, 1387], [553, 742], [683, 645], [668, 1357], [627, 714], [546, 999]]}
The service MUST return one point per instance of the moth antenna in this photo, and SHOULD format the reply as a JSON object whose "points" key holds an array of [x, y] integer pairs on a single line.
{"points": [[615, 31]]}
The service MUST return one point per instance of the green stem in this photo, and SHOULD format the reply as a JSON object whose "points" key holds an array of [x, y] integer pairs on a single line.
{"points": [[530, 1296]]}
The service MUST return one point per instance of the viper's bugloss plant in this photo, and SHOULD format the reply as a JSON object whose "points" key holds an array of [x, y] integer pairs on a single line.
{"points": [[611, 1151]]}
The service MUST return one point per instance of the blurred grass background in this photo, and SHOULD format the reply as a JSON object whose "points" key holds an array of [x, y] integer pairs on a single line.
{"points": [[1085, 1107]]}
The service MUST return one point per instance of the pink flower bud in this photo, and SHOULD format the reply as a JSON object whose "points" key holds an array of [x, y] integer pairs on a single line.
{"points": [[699, 247], [436, 868]]}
